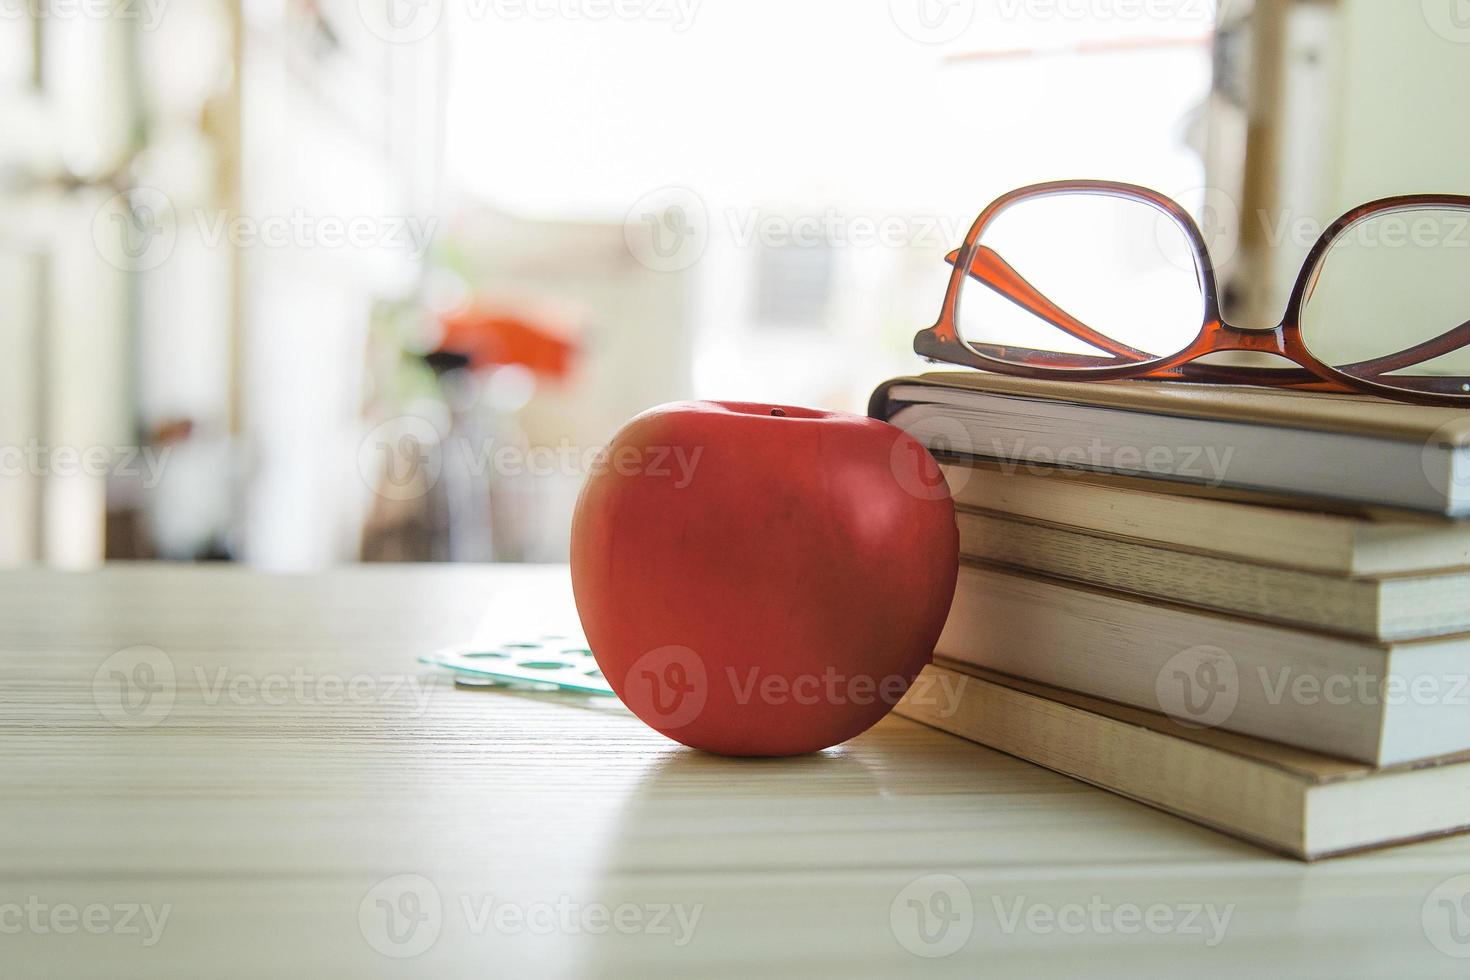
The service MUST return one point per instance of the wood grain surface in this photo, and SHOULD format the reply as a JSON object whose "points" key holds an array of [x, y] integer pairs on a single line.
{"points": [[207, 772]]}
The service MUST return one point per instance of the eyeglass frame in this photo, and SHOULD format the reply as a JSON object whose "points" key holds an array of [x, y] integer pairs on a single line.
{"points": [[942, 342]]}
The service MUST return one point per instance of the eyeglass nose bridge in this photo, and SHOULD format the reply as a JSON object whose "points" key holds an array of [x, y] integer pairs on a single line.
{"points": [[1221, 337]]}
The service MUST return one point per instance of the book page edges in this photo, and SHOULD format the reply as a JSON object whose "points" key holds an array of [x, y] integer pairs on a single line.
{"points": [[1362, 415], [1296, 803]]}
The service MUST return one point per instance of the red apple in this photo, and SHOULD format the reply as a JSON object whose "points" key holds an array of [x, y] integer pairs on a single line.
{"points": [[762, 580]]}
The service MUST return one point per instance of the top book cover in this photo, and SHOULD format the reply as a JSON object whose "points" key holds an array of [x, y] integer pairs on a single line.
{"points": [[1346, 448]]}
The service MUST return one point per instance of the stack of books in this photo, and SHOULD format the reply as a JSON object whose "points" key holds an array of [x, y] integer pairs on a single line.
{"points": [[1248, 607]]}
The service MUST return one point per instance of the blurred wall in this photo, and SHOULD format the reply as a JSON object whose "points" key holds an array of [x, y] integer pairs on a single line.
{"points": [[340, 157], [1406, 75]]}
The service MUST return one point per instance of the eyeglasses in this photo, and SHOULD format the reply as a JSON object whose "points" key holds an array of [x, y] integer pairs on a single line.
{"points": [[1094, 280]]}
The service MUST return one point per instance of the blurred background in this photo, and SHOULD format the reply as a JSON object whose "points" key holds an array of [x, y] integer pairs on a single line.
{"points": [[304, 282]]}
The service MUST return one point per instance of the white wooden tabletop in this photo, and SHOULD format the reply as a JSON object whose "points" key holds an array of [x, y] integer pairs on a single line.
{"points": [[211, 772]]}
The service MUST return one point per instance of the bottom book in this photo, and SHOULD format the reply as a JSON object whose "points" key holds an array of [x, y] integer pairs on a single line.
{"points": [[1288, 800]]}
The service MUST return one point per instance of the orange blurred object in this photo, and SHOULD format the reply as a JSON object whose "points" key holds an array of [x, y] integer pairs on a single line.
{"points": [[491, 339]]}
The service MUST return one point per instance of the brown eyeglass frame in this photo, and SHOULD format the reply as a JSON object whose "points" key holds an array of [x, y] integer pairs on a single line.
{"points": [[942, 342]]}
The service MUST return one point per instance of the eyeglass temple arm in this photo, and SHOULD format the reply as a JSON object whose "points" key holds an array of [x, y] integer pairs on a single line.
{"points": [[990, 269]]}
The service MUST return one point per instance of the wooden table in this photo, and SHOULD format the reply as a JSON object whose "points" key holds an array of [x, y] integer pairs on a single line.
{"points": [[295, 804]]}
